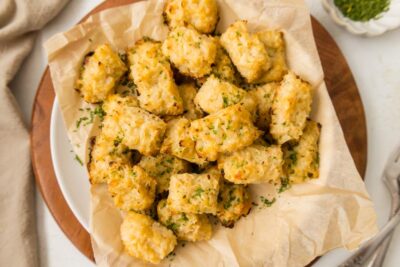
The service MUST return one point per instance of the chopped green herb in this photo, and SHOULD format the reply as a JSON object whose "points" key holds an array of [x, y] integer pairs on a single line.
{"points": [[78, 160], [184, 217], [285, 185], [267, 202], [198, 192], [226, 101], [362, 10]]}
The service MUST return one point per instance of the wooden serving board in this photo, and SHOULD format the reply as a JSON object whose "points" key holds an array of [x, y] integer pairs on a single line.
{"points": [[338, 77]]}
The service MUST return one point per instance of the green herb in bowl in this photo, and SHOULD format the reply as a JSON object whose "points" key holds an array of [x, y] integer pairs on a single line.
{"points": [[362, 10]]}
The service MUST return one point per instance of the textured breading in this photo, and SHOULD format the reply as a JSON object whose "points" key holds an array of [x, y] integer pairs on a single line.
{"points": [[152, 74], [178, 142], [146, 239], [161, 167], [114, 102], [246, 50], [186, 226], [291, 107], [188, 92], [275, 44], [135, 128], [223, 67], [264, 96], [233, 202], [253, 165], [194, 193], [105, 154], [302, 159], [224, 131], [100, 73], [201, 14], [131, 188], [191, 52], [216, 94]]}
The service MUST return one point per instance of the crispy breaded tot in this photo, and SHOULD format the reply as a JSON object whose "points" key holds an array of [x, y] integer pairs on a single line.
{"points": [[187, 226], [194, 193], [302, 159], [161, 167], [105, 154], [253, 165], [290, 109], [188, 92], [233, 202], [100, 73], [246, 50], [201, 14], [191, 52], [135, 128], [151, 72], [146, 239], [179, 143], [131, 188], [224, 131], [216, 94], [275, 44], [264, 96]]}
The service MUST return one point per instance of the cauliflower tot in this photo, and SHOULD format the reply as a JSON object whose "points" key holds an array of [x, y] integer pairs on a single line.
{"points": [[104, 155], [201, 14], [264, 96], [223, 67], [186, 226], [100, 73], [224, 131], [194, 193], [233, 202], [161, 167], [290, 109], [146, 239], [178, 142], [246, 50], [135, 128], [216, 94], [188, 93], [253, 165], [131, 188], [302, 159], [191, 52], [275, 44], [151, 72]]}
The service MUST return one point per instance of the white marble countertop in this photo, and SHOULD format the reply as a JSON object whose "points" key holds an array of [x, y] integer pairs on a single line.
{"points": [[375, 63]]}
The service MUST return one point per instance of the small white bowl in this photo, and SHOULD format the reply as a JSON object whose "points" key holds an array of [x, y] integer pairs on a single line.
{"points": [[387, 21]]}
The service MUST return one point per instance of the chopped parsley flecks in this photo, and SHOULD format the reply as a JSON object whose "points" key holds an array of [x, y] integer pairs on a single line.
{"points": [[78, 159], [198, 192], [266, 202], [285, 185], [90, 115]]}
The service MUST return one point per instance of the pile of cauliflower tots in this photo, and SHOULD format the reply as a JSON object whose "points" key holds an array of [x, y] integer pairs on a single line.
{"points": [[191, 122]]}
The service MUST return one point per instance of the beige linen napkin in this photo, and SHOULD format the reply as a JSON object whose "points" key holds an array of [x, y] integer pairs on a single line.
{"points": [[19, 21]]}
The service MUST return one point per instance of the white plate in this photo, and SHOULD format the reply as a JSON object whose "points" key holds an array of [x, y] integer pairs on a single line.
{"points": [[71, 175]]}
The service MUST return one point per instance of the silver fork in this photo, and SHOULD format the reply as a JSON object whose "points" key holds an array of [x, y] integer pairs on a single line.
{"points": [[392, 184], [370, 248]]}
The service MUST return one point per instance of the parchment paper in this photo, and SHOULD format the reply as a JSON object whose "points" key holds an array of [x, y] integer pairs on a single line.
{"points": [[305, 222]]}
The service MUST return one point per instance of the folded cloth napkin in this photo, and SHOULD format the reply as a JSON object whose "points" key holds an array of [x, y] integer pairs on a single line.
{"points": [[19, 21]]}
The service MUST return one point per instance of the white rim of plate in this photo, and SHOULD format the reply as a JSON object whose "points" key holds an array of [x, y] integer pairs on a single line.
{"points": [[54, 120]]}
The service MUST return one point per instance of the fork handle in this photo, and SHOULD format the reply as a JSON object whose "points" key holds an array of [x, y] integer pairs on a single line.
{"points": [[381, 252], [363, 254]]}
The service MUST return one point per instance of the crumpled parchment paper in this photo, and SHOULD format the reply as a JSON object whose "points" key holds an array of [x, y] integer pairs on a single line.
{"points": [[306, 221]]}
